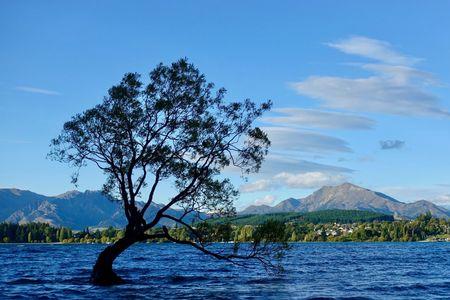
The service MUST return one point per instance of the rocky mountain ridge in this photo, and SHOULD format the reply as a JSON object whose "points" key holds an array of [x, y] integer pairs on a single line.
{"points": [[73, 209], [348, 196]]}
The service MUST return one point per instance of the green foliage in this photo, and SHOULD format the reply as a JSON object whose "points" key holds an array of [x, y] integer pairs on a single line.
{"points": [[334, 225], [45, 233], [32, 233], [271, 230], [316, 217], [343, 216]]}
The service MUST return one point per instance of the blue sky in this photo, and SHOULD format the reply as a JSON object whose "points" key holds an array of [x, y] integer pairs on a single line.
{"points": [[360, 90]]}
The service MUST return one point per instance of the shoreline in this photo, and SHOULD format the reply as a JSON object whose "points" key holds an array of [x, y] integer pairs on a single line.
{"points": [[307, 242]]}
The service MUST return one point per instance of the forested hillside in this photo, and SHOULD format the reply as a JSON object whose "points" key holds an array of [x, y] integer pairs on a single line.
{"points": [[316, 217]]}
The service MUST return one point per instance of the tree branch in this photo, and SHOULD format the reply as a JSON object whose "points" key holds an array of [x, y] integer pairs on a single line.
{"points": [[228, 257]]}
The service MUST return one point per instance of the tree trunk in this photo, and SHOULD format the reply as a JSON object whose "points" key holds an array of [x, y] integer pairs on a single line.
{"points": [[102, 273]]}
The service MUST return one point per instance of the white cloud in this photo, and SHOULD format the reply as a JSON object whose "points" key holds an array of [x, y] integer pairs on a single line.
{"points": [[371, 94], [439, 194], [276, 163], [374, 49], [35, 90], [283, 138], [401, 74], [393, 88], [442, 200], [266, 200], [308, 180], [319, 119], [259, 185]]}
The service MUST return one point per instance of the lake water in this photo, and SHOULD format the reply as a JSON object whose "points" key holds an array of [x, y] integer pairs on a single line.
{"points": [[312, 271]]}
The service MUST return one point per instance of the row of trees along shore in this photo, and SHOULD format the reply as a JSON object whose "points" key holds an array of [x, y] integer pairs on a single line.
{"points": [[422, 228]]}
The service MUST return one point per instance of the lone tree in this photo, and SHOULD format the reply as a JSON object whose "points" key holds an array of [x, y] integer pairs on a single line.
{"points": [[177, 128]]}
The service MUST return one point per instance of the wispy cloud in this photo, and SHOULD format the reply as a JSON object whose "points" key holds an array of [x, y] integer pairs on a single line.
{"points": [[291, 139], [319, 119], [394, 87], [257, 186], [266, 200], [442, 200], [391, 144], [439, 195], [34, 90], [310, 179], [306, 180], [276, 163], [445, 185], [374, 49]]}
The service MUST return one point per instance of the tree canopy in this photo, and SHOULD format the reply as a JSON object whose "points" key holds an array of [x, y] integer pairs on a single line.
{"points": [[176, 128]]}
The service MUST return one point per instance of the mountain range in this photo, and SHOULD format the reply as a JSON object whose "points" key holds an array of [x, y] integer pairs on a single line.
{"points": [[348, 196], [79, 210], [74, 209]]}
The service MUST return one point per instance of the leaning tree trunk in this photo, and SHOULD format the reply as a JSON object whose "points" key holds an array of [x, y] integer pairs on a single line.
{"points": [[102, 273]]}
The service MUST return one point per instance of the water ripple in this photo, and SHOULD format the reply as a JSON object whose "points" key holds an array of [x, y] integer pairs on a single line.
{"points": [[313, 271]]}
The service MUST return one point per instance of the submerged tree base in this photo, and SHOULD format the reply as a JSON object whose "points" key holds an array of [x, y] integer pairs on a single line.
{"points": [[102, 273], [105, 277]]}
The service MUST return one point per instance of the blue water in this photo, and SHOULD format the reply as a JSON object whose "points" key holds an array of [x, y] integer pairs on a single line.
{"points": [[312, 271]]}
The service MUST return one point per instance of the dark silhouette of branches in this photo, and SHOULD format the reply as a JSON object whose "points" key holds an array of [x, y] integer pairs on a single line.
{"points": [[177, 129]]}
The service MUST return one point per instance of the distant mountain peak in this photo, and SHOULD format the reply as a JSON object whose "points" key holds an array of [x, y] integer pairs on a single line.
{"points": [[345, 184], [69, 194], [348, 196], [15, 191], [421, 201], [348, 185], [73, 209]]}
